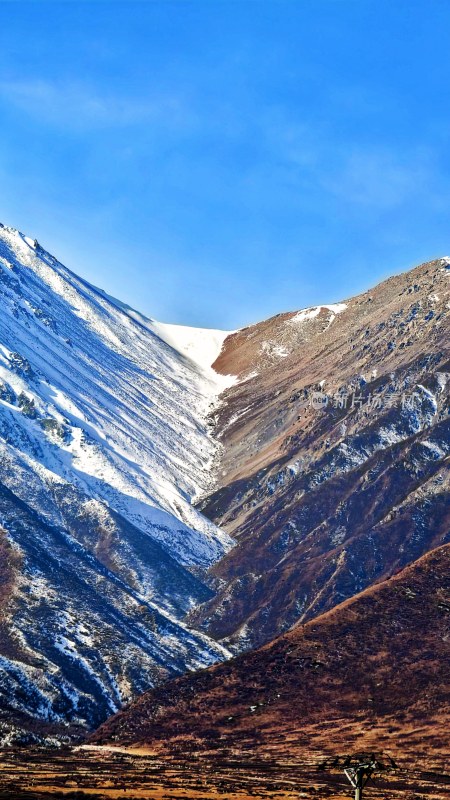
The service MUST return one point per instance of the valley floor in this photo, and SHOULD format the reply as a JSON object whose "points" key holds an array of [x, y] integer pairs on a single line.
{"points": [[99, 774]]}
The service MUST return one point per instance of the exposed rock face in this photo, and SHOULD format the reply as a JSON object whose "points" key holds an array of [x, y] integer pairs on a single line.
{"points": [[373, 673], [325, 501], [103, 446]]}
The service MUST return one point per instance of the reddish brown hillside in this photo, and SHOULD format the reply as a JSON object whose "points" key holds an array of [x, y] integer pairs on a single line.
{"points": [[373, 672], [324, 503]]}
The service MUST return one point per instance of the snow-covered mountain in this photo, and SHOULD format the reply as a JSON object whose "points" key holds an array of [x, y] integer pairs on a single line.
{"points": [[109, 431], [104, 446]]}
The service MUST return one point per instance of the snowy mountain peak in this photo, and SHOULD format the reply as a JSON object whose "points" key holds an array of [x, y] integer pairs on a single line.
{"points": [[104, 444], [134, 411]]}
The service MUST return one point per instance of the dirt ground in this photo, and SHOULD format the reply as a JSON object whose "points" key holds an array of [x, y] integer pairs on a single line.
{"points": [[98, 774]]}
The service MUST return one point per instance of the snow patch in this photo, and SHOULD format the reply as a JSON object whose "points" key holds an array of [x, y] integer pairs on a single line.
{"points": [[202, 346], [314, 311]]}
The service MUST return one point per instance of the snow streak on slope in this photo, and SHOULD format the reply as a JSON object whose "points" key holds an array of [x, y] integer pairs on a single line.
{"points": [[132, 413], [103, 445], [201, 346]]}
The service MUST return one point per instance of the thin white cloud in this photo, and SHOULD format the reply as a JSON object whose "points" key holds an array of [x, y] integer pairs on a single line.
{"points": [[304, 154], [380, 179], [81, 106]]}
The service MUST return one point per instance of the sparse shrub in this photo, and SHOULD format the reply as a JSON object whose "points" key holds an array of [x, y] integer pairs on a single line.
{"points": [[27, 405], [7, 393], [53, 427], [21, 365]]}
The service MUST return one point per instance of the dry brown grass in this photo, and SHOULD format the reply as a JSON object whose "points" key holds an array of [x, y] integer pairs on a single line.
{"points": [[37, 775]]}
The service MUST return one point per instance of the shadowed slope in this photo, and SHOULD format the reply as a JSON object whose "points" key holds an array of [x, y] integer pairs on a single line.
{"points": [[373, 672]]}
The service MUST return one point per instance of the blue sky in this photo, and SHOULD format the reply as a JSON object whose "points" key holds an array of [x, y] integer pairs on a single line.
{"points": [[212, 163]]}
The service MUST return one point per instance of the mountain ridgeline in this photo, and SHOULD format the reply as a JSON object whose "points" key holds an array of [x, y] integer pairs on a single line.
{"points": [[104, 444], [170, 496], [335, 454]]}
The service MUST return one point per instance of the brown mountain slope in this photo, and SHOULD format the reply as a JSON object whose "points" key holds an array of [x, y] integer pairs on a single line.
{"points": [[372, 673], [325, 502]]}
